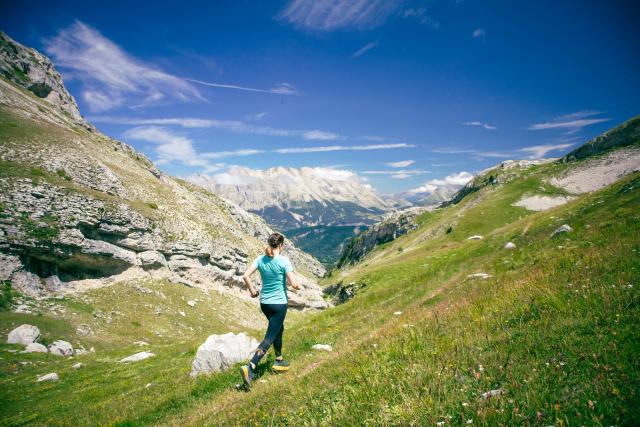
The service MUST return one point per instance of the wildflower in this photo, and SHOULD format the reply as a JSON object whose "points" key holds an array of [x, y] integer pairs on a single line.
{"points": [[440, 423], [469, 421], [465, 404], [480, 368]]}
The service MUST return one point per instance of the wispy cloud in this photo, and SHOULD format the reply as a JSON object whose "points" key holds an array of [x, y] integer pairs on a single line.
{"points": [[571, 123], [456, 179], [478, 33], [401, 164], [329, 15], [533, 152], [364, 49], [235, 126], [422, 15], [171, 147], [397, 174], [539, 151], [320, 135], [280, 89], [109, 75], [113, 78], [480, 124], [341, 148]]}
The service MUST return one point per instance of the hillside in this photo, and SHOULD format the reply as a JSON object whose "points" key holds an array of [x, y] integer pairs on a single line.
{"points": [[443, 329], [80, 210]]}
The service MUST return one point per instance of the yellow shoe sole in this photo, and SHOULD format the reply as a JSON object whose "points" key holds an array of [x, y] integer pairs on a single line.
{"points": [[280, 368], [245, 376]]}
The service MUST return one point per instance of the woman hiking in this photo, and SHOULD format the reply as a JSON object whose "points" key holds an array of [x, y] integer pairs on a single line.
{"points": [[275, 270]]}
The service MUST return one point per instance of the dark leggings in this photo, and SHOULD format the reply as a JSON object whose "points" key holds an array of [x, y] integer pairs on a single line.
{"points": [[275, 314]]}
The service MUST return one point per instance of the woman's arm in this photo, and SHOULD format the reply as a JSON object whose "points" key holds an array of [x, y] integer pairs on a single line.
{"points": [[247, 280], [292, 280]]}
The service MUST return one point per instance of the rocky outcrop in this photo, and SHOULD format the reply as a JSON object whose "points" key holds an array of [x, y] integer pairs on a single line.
{"points": [[390, 228], [79, 210], [30, 69], [220, 352]]}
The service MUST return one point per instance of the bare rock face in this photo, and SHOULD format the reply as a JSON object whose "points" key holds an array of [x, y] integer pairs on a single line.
{"points": [[24, 334], [390, 228], [34, 71], [221, 352]]}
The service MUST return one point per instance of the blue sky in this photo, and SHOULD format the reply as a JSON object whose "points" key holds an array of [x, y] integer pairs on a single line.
{"points": [[399, 92]]}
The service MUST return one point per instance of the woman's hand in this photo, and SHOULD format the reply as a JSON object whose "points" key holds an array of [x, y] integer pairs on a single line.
{"points": [[253, 292], [292, 281]]}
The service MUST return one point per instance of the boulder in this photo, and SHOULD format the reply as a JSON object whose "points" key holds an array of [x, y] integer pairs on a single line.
{"points": [[35, 347], [137, 357], [61, 348], [220, 352], [76, 365], [48, 377], [24, 334], [564, 228], [510, 246]]}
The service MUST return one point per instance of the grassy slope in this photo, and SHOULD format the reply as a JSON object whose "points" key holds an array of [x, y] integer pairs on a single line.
{"points": [[554, 327]]}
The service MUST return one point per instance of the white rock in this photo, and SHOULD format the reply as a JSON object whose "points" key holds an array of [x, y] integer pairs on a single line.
{"points": [[510, 246], [49, 377], [24, 334], [481, 276], [76, 365], [323, 347], [61, 348], [476, 237], [23, 308], [564, 228], [137, 357], [182, 313], [35, 347], [492, 393], [191, 303], [141, 343], [220, 352], [397, 313]]}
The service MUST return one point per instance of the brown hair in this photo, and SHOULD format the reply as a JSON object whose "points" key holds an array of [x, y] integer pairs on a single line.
{"points": [[274, 240]]}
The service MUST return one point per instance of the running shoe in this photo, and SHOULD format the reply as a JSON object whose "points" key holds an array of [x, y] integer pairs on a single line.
{"points": [[247, 374], [280, 365]]}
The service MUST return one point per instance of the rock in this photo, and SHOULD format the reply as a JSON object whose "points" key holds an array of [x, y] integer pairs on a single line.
{"points": [[323, 347], [510, 246], [83, 330], [141, 343], [48, 377], [24, 334], [491, 393], [35, 347], [476, 237], [182, 313], [143, 289], [397, 313], [23, 308], [61, 348], [191, 303], [564, 228], [220, 352], [481, 276], [137, 357], [76, 365], [152, 259]]}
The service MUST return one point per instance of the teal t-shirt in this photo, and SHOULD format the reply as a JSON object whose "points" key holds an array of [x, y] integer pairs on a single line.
{"points": [[273, 272]]}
